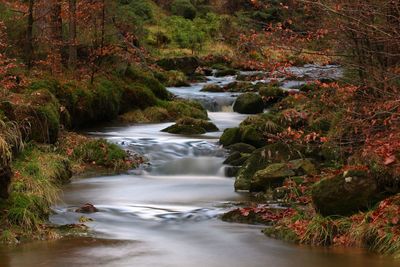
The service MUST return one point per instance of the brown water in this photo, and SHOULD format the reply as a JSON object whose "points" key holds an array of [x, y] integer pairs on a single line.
{"points": [[166, 214]]}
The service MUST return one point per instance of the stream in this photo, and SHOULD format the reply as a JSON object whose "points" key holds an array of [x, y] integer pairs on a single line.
{"points": [[166, 213]]}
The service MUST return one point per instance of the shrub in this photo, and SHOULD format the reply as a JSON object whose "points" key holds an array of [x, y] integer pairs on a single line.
{"points": [[183, 8]]}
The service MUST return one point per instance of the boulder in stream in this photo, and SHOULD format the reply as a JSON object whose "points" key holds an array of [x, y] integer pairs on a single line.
{"points": [[87, 208], [191, 126], [249, 103]]}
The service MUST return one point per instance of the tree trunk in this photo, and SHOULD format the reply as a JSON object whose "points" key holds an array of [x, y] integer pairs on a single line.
{"points": [[72, 53], [29, 36], [56, 36]]}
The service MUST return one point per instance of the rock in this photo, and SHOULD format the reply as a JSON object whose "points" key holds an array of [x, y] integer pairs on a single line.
{"points": [[230, 136], [225, 72], [249, 103], [260, 159], [232, 157], [345, 194], [272, 94], [271, 177], [184, 129], [242, 148], [5, 180], [191, 126], [239, 87], [87, 208], [251, 136], [213, 88], [252, 77], [240, 161], [303, 167], [187, 65], [231, 171]]}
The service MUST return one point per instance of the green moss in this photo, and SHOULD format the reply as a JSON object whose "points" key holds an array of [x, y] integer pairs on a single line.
{"points": [[106, 99], [184, 129], [249, 103], [230, 136], [191, 126], [133, 74], [137, 96], [281, 233], [272, 94], [185, 108], [102, 153], [250, 135], [38, 174]]}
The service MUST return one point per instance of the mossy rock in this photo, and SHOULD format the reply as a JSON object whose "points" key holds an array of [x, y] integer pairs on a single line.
{"points": [[260, 159], [212, 88], [272, 94], [242, 148], [187, 65], [345, 194], [225, 72], [230, 136], [137, 96], [176, 78], [238, 86], [271, 177], [106, 99], [133, 74], [265, 122], [232, 157], [250, 135], [148, 115], [185, 108], [240, 161], [207, 125], [102, 153], [184, 129], [189, 125], [303, 167], [249, 103]]}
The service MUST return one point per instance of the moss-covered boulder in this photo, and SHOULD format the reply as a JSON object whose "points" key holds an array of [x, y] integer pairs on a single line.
{"points": [[345, 194], [212, 88], [187, 65], [242, 148], [230, 136], [248, 103], [185, 108], [250, 135], [303, 167], [238, 86], [184, 129], [260, 159], [137, 96], [271, 177], [191, 126], [272, 94]]}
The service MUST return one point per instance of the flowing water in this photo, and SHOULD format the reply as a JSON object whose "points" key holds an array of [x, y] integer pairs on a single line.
{"points": [[166, 213]]}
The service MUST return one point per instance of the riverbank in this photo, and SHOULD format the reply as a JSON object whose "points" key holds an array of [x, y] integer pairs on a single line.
{"points": [[316, 179]]}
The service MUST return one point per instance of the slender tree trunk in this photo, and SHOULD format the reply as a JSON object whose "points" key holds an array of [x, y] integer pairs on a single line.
{"points": [[29, 36], [56, 36], [72, 54]]}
